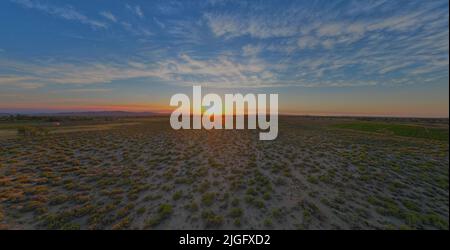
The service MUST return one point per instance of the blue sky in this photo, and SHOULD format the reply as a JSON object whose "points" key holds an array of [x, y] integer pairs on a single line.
{"points": [[323, 57]]}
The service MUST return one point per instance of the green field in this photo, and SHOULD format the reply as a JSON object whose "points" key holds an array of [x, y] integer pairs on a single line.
{"points": [[415, 131]]}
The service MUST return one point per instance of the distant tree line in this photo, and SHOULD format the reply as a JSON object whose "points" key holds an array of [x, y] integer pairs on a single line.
{"points": [[42, 118]]}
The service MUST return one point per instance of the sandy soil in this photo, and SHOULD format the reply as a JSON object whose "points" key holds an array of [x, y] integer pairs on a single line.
{"points": [[148, 176]]}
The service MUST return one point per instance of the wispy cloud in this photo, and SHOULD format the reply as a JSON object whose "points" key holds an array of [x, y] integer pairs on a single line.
{"points": [[83, 90], [251, 50], [21, 82], [159, 23], [182, 70], [11, 79], [218, 72], [261, 45], [66, 12], [136, 10], [231, 26], [108, 15], [137, 31], [376, 43]]}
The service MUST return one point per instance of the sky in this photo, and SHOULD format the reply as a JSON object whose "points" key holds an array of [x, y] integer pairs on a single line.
{"points": [[380, 58]]}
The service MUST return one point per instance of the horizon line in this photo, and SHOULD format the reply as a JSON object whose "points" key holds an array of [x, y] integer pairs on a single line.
{"points": [[318, 114]]}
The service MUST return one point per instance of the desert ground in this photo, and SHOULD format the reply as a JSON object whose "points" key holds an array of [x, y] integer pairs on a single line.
{"points": [[139, 173]]}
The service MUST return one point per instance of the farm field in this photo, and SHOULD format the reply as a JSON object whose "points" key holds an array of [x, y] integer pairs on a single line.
{"points": [[139, 173]]}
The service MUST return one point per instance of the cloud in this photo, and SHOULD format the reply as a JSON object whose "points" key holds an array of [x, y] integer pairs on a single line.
{"points": [[108, 15], [66, 12], [251, 50], [79, 73], [218, 72], [159, 23], [307, 42], [355, 44], [83, 90], [170, 7], [137, 31], [231, 26], [8, 79], [136, 10], [183, 70], [22, 82], [139, 12], [333, 28]]}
